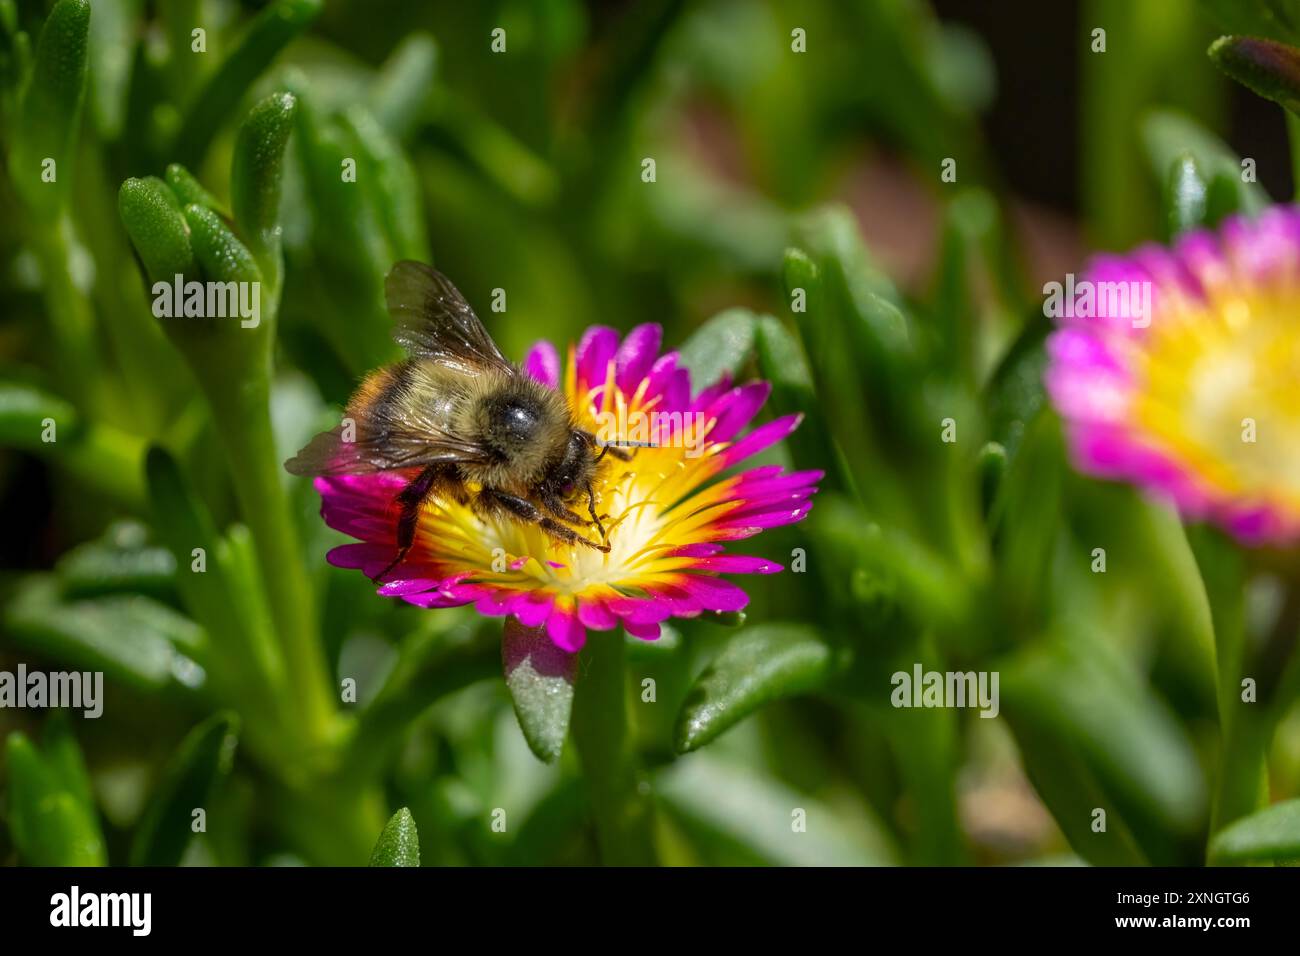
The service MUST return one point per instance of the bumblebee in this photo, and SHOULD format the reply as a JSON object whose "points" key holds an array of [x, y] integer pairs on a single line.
{"points": [[463, 423]]}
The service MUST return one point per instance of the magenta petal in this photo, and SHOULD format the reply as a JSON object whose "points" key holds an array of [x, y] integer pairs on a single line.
{"points": [[766, 519], [736, 408], [762, 472], [543, 364], [566, 630], [657, 380], [702, 549], [646, 632], [401, 586], [532, 608], [716, 594], [682, 601], [760, 438], [640, 610], [761, 501], [436, 599], [357, 554], [494, 603], [710, 394], [596, 616], [738, 564], [594, 353], [677, 391], [637, 355], [751, 484]]}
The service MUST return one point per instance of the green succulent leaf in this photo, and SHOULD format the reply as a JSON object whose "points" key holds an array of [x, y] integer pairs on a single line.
{"points": [[134, 638], [1086, 699], [99, 456], [992, 465], [429, 666], [540, 678], [51, 825], [219, 99], [1272, 834], [1070, 790], [1023, 513], [864, 351], [23, 411], [1269, 68], [399, 844], [112, 56], [219, 252], [748, 819], [394, 190], [203, 758], [255, 179], [721, 346], [1014, 394], [400, 92], [189, 190], [1186, 196], [865, 295], [51, 106], [120, 561], [1169, 135], [156, 224], [781, 361], [971, 226], [64, 757], [760, 664], [1279, 19], [216, 576]]}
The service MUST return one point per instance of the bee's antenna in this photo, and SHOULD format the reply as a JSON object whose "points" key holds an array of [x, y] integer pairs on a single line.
{"points": [[626, 444]]}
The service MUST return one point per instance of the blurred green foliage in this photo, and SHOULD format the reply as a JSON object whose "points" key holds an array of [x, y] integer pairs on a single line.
{"points": [[308, 146]]}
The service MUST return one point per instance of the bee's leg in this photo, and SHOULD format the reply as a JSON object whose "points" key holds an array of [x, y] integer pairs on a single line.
{"points": [[591, 509], [559, 509], [491, 499], [410, 498]]}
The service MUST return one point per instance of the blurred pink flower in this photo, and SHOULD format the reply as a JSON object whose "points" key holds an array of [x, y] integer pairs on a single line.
{"points": [[1197, 398]]}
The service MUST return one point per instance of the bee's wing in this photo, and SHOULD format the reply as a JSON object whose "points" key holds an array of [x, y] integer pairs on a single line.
{"points": [[329, 454], [434, 321]]}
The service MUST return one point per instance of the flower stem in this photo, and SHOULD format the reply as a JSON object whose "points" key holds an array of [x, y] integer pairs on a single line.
{"points": [[1244, 725], [72, 320], [243, 421], [1242, 769], [1248, 726], [624, 826]]}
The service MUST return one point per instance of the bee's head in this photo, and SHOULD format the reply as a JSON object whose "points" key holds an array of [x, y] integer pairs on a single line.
{"points": [[525, 430], [577, 466]]}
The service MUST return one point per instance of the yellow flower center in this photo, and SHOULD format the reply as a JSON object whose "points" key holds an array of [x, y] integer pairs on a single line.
{"points": [[1218, 384], [648, 506]]}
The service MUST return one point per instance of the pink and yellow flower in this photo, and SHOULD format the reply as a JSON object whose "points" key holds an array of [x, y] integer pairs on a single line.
{"points": [[671, 508], [1198, 400]]}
